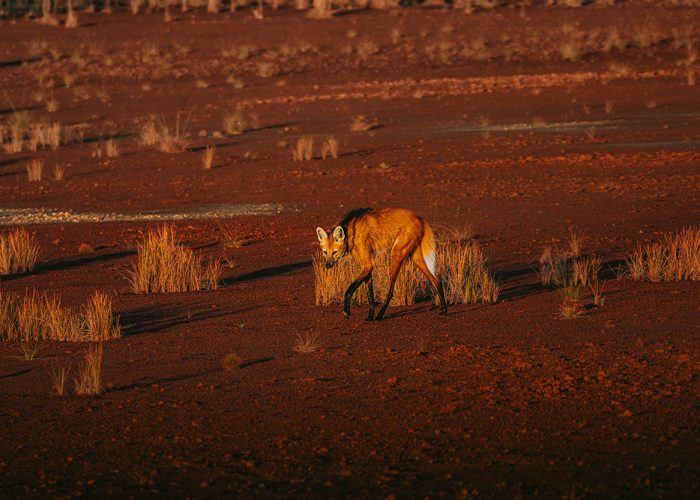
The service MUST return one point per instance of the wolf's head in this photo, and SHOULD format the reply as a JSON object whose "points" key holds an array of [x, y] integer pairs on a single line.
{"points": [[332, 248]]}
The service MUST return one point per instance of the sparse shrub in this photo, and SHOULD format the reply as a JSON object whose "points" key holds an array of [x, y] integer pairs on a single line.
{"points": [[306, 343], [231, 361], [59, 375], [675, 258], [208, 157], [35, 168], [163, 265], [19, 252], [330, 148], [87, 382], [304, 149]]}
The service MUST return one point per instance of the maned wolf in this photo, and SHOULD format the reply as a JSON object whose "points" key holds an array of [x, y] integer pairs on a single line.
{"points": [[364, 231]]}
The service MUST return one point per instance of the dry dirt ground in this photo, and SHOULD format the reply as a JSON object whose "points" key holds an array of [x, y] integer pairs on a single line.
{"points": [[481, 120]]}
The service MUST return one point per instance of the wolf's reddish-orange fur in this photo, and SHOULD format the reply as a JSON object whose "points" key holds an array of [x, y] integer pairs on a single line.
{"points": [[364, 232]]}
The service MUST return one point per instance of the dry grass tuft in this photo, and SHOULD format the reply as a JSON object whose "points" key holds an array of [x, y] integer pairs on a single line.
{"points": [[169, 139], [586, 270], [163, 265], [675, 258], [306, 343], [462, 267], [597, 289], [330, 284], [330, 148], [100, 322], [59, 172], [232, 236], [87, 382], [304, 149], [235, 123], [59, 375], [35, 169], [571, 307], [111, 148], [30, 349], [208, 157], [19, 252], [36, 317], [362, 124], [231, 361]]}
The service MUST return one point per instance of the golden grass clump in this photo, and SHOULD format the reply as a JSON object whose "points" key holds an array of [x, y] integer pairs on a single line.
{"points": [[111, 148], [231, 361], [169, 139], [59, 375], [38, 317], [87, 381], [304, 149], [235, 123], [100, 322], [361, 124], [208, 157], [163, 265], [19, 252], [462, 266], [331, 284], [35, 169], [675, 258], [306, 343], [330, 148]]}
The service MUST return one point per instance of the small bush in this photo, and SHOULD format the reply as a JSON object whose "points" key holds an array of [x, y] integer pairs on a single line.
{"points": [[163, 265], [19, 252]]}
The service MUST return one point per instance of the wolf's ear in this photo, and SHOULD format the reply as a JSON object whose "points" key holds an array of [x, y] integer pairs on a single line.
{"points": [[322, 235], [338, 234]]}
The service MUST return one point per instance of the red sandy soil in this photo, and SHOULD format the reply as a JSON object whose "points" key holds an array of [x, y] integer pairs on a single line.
{"points": [[510, 399]]}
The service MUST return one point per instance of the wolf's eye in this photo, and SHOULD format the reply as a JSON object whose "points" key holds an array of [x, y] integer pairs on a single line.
{"points": [[335, 252], [325, 252]]}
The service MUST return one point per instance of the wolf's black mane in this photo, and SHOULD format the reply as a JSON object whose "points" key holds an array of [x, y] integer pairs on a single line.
{"points": [[353, 214]]}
